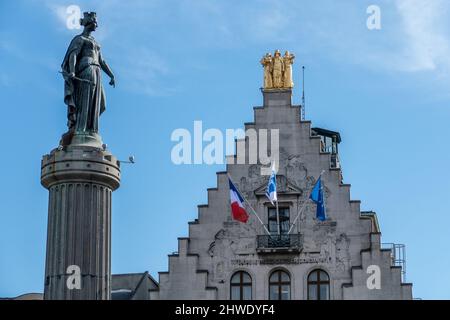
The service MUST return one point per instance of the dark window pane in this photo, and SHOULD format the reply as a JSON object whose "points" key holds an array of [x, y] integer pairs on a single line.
{"points": [[273, 292], [284, 213], [312, 292], [235, 293], [323, 276], [247, 290], [283, 217], [312, 276], [324, 294], [273, 227], [284, 277], [284, 226], [272, 213], [285, 292], [274, 277], [236, 278]]}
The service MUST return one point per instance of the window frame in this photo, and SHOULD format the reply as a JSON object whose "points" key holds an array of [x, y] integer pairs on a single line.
{"points": [[279, 283], [284, 219], [241, 284], [317, 283]]}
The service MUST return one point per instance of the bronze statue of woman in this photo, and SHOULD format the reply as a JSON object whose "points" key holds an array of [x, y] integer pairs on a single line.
{"points": [[83, 90]]}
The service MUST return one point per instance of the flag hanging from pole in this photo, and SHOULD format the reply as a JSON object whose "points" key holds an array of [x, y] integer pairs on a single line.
{"points": [[271, 191], [317, 197], [238, 211]]}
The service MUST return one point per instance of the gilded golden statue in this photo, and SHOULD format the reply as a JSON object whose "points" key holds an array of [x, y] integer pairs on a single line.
{"points": [[266, 61], [278, 70], [288, 60]]}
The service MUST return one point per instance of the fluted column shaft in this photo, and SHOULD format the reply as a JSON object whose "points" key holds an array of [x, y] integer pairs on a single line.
{"points": [[80, 183]]}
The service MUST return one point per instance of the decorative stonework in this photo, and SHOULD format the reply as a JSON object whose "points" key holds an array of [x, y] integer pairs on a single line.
{"points": [[342, 246]]}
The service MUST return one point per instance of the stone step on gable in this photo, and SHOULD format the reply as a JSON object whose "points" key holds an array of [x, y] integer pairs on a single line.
{"points": [[391, 283], [190, 281]]}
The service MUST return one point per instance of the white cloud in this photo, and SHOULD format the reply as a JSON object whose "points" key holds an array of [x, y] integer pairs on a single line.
{"points": [[426, 42], [145, 71], [414, 35], [59, 11]]}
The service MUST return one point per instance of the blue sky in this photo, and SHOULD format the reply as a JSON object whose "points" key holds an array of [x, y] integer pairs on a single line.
{"points": [[386, 91]]}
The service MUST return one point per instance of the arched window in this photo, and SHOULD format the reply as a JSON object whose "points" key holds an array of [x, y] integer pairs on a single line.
{"points": [[241, 286], [318, 285], [279, 285]]}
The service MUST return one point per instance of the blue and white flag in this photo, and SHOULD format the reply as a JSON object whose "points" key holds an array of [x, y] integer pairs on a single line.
{"points": [[271, 192], [317, 197]]}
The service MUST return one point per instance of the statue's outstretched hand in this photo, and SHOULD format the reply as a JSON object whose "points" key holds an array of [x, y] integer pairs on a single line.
{"points": [[112, 82]]}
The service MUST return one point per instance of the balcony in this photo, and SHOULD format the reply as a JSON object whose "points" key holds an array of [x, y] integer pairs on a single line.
{"points": [[279, 243]]}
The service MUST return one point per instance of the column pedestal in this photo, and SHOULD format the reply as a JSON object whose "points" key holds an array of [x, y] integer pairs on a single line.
{"points": [[80, 180], [277, 97]]}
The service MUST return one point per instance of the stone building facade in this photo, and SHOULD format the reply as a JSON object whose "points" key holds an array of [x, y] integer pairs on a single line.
{"points": [[339, 258]]}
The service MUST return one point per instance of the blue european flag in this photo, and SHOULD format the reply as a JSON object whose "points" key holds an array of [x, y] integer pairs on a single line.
{"points": [[317, 197]]}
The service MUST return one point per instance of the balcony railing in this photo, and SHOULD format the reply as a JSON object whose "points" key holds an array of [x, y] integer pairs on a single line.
{"points": [[279, 243], [398, 256]]}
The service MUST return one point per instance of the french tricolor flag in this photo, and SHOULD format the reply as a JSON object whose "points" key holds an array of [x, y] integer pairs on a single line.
{"points": [[237, 207]]}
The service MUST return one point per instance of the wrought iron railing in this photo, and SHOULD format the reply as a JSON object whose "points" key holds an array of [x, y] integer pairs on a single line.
{"points": [[279, 241], [398, 256]]}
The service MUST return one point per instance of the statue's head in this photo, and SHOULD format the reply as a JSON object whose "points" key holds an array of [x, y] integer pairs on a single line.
{"points": [[287, 53], [277, 53], [89, 21]]}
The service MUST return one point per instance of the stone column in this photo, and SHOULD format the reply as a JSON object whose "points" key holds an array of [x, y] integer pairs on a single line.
{"points": [[80, 180]]}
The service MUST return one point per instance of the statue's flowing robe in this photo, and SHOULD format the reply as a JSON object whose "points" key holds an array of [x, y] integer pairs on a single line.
{"points": [[278, 69], [267, 72], [85, 100], [288, 72]]}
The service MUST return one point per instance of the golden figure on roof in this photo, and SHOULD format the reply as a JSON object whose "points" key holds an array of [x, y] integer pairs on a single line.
{"points": [[266, 62], [277, 70]]}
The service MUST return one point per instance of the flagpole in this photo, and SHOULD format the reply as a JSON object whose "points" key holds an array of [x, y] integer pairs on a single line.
{"points": [[278, 218], [248, 203], [303, 206], [298, 215], [324, 198]]}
